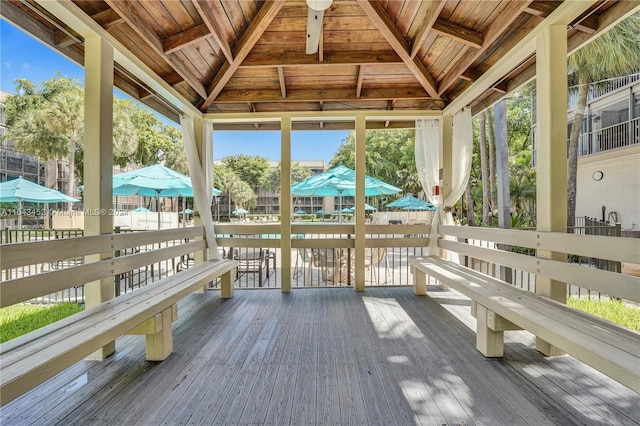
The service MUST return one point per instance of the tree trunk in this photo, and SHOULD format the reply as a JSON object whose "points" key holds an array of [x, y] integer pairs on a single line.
{"points": [[471, 220], [484, 170], [72, 171], [492, 162], [572, 166]]}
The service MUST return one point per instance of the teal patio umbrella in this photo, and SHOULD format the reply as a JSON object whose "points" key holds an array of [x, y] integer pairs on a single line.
{"points": [[154, 181], [300, 211], [410, 202], [20, 190], [338, 182], [239, 211]]}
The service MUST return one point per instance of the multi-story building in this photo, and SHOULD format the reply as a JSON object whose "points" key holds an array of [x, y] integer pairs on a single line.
{"points": [[608, 178], [268, 201]]}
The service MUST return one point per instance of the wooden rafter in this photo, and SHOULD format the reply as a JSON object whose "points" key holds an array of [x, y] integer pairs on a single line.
{"points": [[129, 15], [541, 8], [283, 83], [258, 25], [211, 23], [457, 32], [359, 83], [427, 24], [185, 38], [376, 13], [507, 16]]}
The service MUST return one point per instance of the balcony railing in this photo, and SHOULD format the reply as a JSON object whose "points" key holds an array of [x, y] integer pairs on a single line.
{"points": [[601, 88], [613, 137]]}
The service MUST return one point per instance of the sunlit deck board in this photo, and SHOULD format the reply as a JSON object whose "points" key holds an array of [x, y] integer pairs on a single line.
{"points": [[327, 356]]}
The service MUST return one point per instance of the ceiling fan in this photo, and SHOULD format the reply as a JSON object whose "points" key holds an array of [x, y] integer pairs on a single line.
{"points": [[314, 23]]}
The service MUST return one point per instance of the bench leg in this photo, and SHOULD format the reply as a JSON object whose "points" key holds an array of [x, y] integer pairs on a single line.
{"points": [[226, 285], [419, 282], [160, 345], [489, 342]]}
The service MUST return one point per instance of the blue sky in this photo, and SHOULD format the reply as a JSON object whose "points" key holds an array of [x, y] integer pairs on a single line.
{"points": [[22, 56]]}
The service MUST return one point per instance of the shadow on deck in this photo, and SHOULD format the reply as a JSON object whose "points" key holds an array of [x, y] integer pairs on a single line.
{"points": [[327, 356]]}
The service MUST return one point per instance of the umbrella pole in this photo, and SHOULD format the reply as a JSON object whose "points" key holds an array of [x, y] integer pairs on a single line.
{"points": [[184, 213], [19, 214], [158, 207]]}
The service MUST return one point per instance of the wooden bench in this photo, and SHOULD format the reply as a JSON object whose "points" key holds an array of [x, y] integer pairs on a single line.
{"points": [[35, 357], [500, 306]]}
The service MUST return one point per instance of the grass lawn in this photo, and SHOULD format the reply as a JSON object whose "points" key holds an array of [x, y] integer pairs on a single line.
{"points": [[612, 310], [20, 319]]}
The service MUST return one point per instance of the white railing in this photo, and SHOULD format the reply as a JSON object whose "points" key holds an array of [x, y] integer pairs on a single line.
{"points": [[601, 88], [612, 137]]}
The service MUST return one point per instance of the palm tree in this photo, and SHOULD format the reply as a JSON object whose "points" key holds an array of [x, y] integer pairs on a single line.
{"points": [[614, 53], [64, 115], [484, 168]]}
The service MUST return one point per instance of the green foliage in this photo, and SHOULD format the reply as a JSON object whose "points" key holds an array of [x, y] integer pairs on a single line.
{"points": [[250, 169], [271, 179], [390, 157], [21, 319], [612, 310], [239, 191]]}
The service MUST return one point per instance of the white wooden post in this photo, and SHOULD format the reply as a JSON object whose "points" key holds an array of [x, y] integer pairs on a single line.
{"points": [[285, 203], [98, 164], [551, 202], [361, 133]]}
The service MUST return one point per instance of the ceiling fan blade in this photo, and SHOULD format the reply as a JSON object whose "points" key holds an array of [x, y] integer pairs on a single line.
{"points": [[314, 29]]}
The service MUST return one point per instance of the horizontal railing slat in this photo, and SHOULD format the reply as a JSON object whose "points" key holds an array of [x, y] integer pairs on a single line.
{"points": [[21, 289], [611, 283], [23, 254], [601, 247]]}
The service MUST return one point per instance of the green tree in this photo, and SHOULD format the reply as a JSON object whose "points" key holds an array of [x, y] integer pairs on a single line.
{"points": [[238, 191], [615, 53], [271, 179], [484, 169], [250, 169], [155, 140], [175, 158], [390, 157]]}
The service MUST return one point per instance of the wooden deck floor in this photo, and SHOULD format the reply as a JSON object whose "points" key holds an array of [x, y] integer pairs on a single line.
{"points": [[327, 356]]}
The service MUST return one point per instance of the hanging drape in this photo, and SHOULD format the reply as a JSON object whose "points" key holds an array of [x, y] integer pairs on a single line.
{"points": [[202, 183], [428, 149]]}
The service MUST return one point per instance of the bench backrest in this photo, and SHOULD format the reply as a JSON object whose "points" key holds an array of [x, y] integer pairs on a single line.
{"points": [[595, 246], [102, 257]]}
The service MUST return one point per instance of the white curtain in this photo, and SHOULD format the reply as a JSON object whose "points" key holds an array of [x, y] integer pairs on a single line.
{"points": [[201, 181], [429, 162]]}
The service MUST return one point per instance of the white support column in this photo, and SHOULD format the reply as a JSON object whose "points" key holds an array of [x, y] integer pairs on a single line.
{"points": [[361, 134], [551, 70], [98, 164], [446, 170], [285, 203]]}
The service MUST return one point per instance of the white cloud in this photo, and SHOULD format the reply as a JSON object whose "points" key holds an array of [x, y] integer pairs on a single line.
{"points": [[7, 65], [26, 66]]}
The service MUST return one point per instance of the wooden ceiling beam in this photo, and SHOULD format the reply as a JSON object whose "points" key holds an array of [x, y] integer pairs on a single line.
{"points": [[283, 83], [330, 58], [541, 8], [324, 95], [359, 83], [185, 38], [377, 14], [427, 24], [470, 74], [509, 14], [107, 19], [212, 24], [588, 25], [258, 25], [458, 32], [129, 15]]}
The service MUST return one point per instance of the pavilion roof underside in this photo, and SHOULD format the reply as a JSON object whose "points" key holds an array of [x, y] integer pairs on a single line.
{"points": [[249, 55]]}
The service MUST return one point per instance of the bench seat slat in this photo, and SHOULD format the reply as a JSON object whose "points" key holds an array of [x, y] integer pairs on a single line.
{"points": [[67, 326], [32, 361], [612, 349]]}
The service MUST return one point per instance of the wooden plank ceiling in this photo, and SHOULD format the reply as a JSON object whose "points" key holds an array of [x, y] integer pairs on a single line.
{"points": [[249, 55]]}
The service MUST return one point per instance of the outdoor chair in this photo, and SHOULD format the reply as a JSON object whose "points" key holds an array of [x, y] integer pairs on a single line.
{"points": [[252, 261], [373, 259]]}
